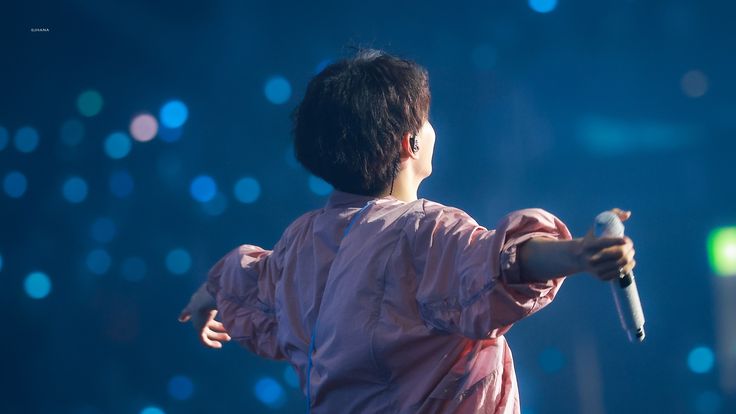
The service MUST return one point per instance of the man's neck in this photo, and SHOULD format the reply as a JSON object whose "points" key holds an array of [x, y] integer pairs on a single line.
{"points": [[404, 188]]}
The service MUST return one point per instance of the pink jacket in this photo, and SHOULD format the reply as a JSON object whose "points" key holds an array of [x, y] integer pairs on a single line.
{"points": [[384, 306]]}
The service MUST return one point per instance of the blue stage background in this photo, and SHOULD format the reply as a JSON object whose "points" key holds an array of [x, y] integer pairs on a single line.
{"points": [[140, 141]]}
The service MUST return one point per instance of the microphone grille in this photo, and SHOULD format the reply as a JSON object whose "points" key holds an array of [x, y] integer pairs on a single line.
{"points": [[607, 224]]}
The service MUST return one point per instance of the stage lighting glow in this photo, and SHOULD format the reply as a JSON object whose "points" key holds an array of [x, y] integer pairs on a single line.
{"points": [[543, 6], [203, 188], [89, 103], [708, 402], [98, 261], [551, 360], [72, 132], [178, 261], [121, 184], [484, 56], [700, 360], [180, 387], [290, 377], [37, 285], [216, 205], [290, 157], [133, 269], [269, 392], [694, 84], [88, 409], [1, 263], [247, 190], [26, 139], [322, 65], [117, 145], [75, 190], [722, 251], [611, 137], [170, 134], [103, 230], [170, 166], [277, 90], [15, 184], [152, 410], [173, 114], [319, 186], [143, 127], [4, 138]]}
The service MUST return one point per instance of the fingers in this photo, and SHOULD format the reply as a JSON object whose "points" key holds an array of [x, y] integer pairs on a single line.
{"points": [[206, 341], [613, 253], [613, 261], [613, 270], [185, 316], [622, 215], [217, 336], [213, 332], [604, 242], [213, 339], [216, 326]]}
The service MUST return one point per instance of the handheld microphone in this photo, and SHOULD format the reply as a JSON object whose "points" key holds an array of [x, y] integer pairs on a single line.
{"points": [[625, 294]]}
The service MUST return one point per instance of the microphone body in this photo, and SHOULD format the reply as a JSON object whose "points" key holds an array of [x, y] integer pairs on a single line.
{"points": [[625, 294]]}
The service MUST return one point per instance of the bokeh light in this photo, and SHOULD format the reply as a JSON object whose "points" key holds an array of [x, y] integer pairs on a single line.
{"points": [[551, 360], [133, 269], [173, 114], [700, 360], [180, 387], [26, 139], [37, 285], [277, 90], [178, 261], [89, 103], [247, 190], [15, 184], [143, 127], [4, 138], [694, 84], [542, 6], [216, 205], [203, 188], [269, 392], [98, 261], [290, 377], [103, 230], [319, 186], [72, 132], [74, 189], [722, 251], [121, 184], [152, 410], [117, 145]]}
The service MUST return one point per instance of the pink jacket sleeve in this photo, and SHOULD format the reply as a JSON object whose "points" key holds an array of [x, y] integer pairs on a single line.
{"points": [[243, 283], [469, 278]]}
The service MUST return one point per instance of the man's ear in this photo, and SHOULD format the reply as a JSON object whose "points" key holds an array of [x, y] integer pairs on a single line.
{"points": [[406, 149]]}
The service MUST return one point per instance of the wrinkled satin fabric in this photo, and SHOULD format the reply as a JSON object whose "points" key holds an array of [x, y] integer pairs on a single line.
{"points": [[385, 306]]}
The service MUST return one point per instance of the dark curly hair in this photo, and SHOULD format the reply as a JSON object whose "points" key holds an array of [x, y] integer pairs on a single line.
{"points": [[348, 128]]}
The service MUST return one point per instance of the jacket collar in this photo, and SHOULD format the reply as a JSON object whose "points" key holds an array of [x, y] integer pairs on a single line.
{"points": [[343, 199]]}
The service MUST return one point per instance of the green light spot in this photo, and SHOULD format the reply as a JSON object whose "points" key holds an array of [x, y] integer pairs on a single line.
{"points": [[722, 251], [89, 103]]}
